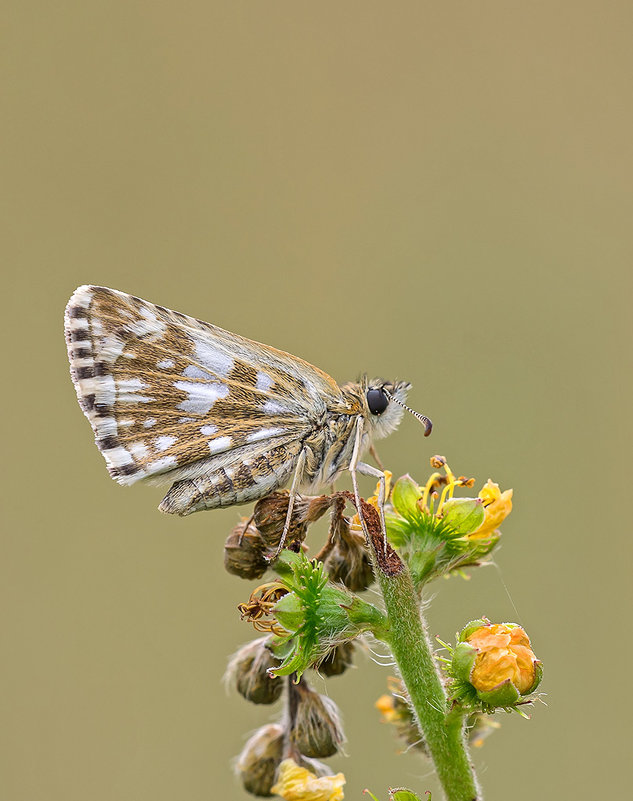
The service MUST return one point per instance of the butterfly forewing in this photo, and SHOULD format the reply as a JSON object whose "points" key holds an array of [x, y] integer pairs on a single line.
{"points": [[164, 392]]}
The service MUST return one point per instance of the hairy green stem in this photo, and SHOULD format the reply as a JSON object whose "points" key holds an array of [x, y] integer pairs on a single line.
{"points": [[411, 648]]}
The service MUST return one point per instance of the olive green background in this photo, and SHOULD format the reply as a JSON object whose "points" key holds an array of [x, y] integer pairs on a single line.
{"points": [[438, 192]]}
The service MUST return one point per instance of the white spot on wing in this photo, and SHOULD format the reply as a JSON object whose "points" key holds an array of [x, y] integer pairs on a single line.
{"points": [[208, 430], [105, 390], [272, 407], [110, 348], [264, 381], [211, 357], [128, 388], [201, 397], [193, 371], [164, 442], [219, 444], [138, 450], [162, 463], [150, 324], [118, 457], [264, 433]]}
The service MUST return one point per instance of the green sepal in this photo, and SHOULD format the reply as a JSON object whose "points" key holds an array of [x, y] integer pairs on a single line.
{"points": [[317, 615], [287, 562], [289, 612], [463, 515], [463, 660], [398, 529], [538, 676], [401, 794], [405, 496], [471, 627], [504, 695]]}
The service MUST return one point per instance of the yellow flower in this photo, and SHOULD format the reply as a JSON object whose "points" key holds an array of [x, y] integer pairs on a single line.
{"points": [[387, 708], [504, 654], [497, 506], [298, 784]]}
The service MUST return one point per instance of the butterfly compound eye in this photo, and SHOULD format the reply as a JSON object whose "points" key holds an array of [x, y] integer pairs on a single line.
{"points": [[377, 401]]}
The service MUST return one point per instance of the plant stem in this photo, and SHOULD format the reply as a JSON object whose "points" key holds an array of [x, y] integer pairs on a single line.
{"points": [[411, 648]]}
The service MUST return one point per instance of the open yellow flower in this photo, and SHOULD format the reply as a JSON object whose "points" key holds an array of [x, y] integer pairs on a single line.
{"points": [[497, 506], [298, 784]]}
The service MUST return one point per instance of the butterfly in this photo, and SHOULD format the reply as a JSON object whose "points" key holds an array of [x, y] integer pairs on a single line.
{"points": [[225, 419]]}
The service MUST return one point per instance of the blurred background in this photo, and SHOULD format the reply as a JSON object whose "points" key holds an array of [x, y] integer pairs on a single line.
{"points": [[434, 192]]}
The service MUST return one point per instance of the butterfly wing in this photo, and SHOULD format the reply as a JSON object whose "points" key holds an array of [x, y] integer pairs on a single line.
{"points": [[166, 393]]}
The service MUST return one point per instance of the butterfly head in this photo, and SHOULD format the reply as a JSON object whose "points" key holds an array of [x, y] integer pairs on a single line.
{"points": [[385, 405]]}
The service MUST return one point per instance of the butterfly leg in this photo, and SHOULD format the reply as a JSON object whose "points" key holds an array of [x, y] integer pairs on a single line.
{"points": [[356, 466], [291, 502]]}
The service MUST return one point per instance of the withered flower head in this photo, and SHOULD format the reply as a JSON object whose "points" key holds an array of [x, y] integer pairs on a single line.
{"points": [[338, 660], [259, 607], [260, 758], [348, 559], [248, 671], [244, 551], [316, 725], [269, 516]]}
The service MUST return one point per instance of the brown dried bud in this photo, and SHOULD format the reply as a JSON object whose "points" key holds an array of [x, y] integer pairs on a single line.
{"points": [[244, 552], [349, 561], [248, 670], [270, 514], [338, 660], [317, 730], [257, 764]]}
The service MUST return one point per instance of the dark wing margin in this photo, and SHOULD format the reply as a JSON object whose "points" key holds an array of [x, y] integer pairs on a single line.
{"points": [[164, 392]]}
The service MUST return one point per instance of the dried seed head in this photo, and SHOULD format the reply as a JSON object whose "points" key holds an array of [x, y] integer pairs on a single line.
{"points": [[244, 552], [317, 730], [247, 670], [349, 561], [260, 758], [338, 660], [269, 516]]}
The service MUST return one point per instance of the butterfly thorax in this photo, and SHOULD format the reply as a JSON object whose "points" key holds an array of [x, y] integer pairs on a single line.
{"points": [[329, 446]]}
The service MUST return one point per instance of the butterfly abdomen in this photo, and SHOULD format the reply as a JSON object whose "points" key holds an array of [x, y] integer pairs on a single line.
{"points": [[233, 484]]}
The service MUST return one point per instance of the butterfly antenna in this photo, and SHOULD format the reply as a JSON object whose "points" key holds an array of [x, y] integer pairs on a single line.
{"points": [[428, 425]]}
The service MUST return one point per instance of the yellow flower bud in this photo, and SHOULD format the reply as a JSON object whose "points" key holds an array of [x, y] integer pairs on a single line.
{"points": [[298, 784], [504, 654]]}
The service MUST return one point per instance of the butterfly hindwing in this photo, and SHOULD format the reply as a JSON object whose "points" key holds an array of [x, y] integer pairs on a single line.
{"points": [[167, 394]]}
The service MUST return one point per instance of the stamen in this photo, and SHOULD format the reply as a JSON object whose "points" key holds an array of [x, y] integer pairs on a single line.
{"points": [[428, 425]]}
